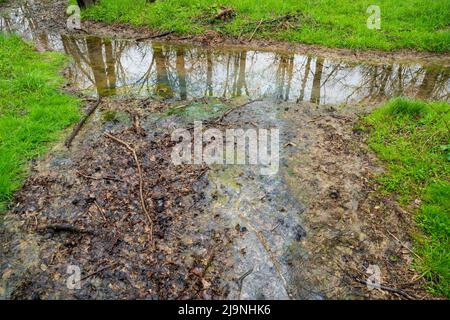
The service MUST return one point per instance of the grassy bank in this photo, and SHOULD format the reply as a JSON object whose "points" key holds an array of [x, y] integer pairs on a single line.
{"points": [[413, 138], [32, 110], [414, 24]]}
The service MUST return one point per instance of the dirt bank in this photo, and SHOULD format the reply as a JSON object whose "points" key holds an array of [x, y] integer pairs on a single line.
{"points": [[216, 40]]}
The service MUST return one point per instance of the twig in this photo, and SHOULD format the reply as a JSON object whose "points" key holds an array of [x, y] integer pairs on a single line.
{"points": [[99, 270], [240, 281], [266, 246], [274, 228], [141, 181], [254, 31], [81, 29], [81, 123], [202, 173], [389, 289], [100, 209], [278, 19], [114, 241], [224, 13], [155, 36], [220, 119], [404, 245]]}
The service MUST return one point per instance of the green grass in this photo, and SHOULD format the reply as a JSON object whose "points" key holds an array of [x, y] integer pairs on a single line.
{"points": [[413, 138], [32, 110], [414, 24]]}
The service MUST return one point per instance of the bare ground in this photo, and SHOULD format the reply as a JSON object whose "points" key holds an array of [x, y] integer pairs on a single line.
{"points": [[350, 226], [83, 207]]}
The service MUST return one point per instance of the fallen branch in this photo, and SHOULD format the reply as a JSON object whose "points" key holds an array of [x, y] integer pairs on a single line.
{"points": [[81, 123], [220, 119], [99, 270], [155, 36], [225, 13], [141, 181]]}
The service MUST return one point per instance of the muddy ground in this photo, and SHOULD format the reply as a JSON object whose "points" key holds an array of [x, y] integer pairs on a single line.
{"points": [[208, 232], [321, 230]]}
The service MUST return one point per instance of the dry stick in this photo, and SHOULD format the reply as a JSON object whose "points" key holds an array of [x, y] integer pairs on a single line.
{"points": [[223, 13], [381, 287], [404, 245], [234, 109], [100, 210], [99, 270], [81, 29], [254, 31], [81, 123], [155, 36], [202, 276], [141, 181], [389, 289], [240, 280]]}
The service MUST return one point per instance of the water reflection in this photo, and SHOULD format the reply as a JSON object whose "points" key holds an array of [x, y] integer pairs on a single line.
{"points": [[110, 67]]}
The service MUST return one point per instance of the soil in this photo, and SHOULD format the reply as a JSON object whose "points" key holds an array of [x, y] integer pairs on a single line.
{"points": [[82, 207], [350, 226]]}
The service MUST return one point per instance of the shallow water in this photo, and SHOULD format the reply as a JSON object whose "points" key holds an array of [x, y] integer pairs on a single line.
{"points": [[105, 67]]}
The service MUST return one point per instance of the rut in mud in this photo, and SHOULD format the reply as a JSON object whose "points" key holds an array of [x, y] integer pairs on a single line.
{"points": [[310, 231]]}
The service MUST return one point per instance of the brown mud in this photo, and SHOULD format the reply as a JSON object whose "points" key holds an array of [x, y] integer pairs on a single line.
{"points": [[311, 231], [349, 225], [82, 207]]}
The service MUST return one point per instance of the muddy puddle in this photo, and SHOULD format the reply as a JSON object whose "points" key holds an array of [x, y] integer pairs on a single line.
{"points": [[220, 231], [128, 68]]}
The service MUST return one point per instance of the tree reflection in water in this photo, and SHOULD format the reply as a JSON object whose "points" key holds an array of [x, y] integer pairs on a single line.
{"points": [[109, 67]]}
